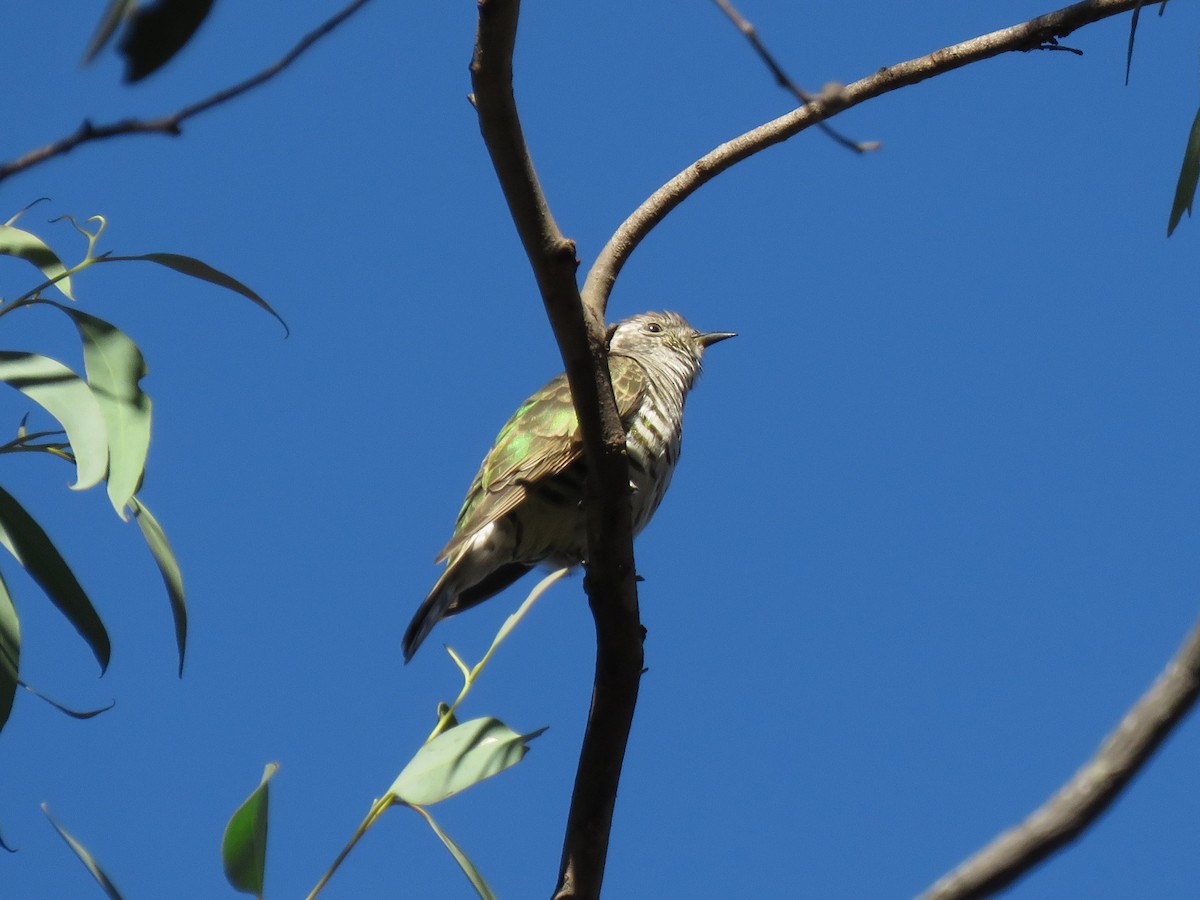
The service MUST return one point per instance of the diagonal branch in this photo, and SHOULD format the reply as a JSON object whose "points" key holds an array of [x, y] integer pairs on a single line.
{"points": [[746, 27], [580, 333], [1082, 800], [1038, 33], [171, 124]]}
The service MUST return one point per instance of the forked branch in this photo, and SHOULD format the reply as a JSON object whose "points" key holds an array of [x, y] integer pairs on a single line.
{"points": [[1035, 34], [579, 331]]}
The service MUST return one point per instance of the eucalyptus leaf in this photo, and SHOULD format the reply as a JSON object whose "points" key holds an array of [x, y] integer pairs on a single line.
{"points": [[66, 710], [164, 558], [28, 543], [28, 246], [85, 857], [197, 269], [10, 652], [464, 862], [458, 758], [68, 398], [117, 11], [114, 367], [157, 31], [244, 846], [1189, 177]]}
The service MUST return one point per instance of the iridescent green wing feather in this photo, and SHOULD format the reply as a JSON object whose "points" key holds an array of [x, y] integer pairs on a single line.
{"points": [[539, 441]]}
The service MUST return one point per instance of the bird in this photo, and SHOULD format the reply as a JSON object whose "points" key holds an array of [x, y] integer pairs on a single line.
{"points": [[525, 506]]}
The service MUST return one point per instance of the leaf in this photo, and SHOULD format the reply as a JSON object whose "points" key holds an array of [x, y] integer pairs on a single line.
{"points": [[10, 652], [458, 758], [28, 246], [114, 366], [464, 862], [157, 32], [66, 710], [1189, 176], [202, 270], [116, 12], [26, 541], [84, 857], [172, 577], [68, 398], [244, 846], [1133, 23]]}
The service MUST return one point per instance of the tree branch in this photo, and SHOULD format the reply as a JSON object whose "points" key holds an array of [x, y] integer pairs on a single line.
{"points": [[746, 27], [1082, 800], [580, 332], [171, 124], [1038, 33]]}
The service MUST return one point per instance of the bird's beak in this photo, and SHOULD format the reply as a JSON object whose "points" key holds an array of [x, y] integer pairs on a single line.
{"points": [[713, 337]]}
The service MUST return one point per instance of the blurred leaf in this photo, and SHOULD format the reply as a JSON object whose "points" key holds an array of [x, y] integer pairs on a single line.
{"points": [[68, 398], [1133, 24], [156, 33], [244, 847], [26, 541], [117, 10], [464, 862], [25, 245], [202, 270], [1189, 176], [172, 577], [444, 712], [10, 652], [26, 208], [114, 366], [458, 758], [4, 844], [66, 710], [85, 857]]}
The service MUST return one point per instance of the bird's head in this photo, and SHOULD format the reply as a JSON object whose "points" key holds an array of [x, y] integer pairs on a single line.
{"points": [[663, 337]]}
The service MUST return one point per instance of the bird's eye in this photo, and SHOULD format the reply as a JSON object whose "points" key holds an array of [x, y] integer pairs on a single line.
{"points": [[654, 328]]}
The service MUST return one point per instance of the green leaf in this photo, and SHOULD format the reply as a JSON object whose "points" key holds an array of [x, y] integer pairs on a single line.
{"points": [[68, 398], [1133, 24], [244, 847], [202, 270], [26, 541], [172, 577], [458, 758], [114, 366], [1189, 176], [28, 246], [464, 862], [84, 857], [10, 652], [116, 12], [66, 710], [157, 31]]}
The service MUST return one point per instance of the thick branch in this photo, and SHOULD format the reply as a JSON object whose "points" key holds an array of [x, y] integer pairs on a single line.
{"points": [[580, 333], [171, 124], [1034, 34], [1079, 802]]}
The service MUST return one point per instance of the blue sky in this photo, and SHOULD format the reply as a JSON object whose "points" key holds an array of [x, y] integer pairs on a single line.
{"points": [[934, 528]]}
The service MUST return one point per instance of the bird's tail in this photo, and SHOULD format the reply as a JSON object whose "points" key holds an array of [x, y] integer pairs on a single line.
{"points": [[459, 588], [433, 609]]}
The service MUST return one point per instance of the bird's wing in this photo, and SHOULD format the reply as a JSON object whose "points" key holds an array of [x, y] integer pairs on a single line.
{"points": [[539, 441]]}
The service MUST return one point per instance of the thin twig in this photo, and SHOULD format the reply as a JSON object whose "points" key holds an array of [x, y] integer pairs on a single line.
{"points": [[1080, 801], [171, 124], [1029, 35], [746, 27]]}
